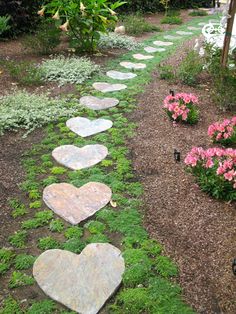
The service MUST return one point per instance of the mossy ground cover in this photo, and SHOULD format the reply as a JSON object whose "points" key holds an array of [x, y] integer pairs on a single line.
{"points": [[149, 284]]}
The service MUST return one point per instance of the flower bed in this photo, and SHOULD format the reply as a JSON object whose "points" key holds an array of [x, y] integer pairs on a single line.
{"points": [[215, 169], [182, 107], [224, 132]]}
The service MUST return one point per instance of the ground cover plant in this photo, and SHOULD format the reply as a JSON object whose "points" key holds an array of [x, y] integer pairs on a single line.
{"points": [[136, 24], [198, 13], [182, 107], [172, 20], [113, 40], [150, 275], [223, 132]]}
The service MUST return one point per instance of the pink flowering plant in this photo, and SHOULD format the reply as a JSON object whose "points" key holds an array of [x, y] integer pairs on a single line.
{"points": [[215, 169], [223, 132], [182, 107]]}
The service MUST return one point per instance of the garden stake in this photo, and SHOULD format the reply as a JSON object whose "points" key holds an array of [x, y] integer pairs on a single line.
{"points": [[172, 92], [177, 155]]}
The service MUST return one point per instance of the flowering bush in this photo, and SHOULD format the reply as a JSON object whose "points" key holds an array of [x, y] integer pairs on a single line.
{"points": [[215, 169], [182, 107], [224, 132]]}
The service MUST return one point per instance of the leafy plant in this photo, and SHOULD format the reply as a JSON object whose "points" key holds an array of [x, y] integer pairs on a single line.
{"points": [[171, 20], [48, 243], [136, 24], [42, 307], [19, 209], [18, 239], [56, 225], [95, 227], [6, 257], [165, 266], [24, 261], [166, 72], [11, 306], [40, 219], [85, 19], [4, 24], [113, 40], [73, 232], [19, 279], [224, 132], [58, 170], [68, 70]]}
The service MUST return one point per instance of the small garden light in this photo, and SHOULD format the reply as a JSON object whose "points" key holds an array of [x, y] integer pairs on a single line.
{"points": [[172, 92], [234, 266], [177, 155]]}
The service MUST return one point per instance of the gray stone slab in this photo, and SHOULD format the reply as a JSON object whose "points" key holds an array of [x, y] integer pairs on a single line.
{"points": [[140, 56], [96, 103], [77, 158], [193, 28], [134, 66], [76, 204], [202, 23], [184, 33], [107, 87], [172, 37], [162, 43], [83, 283], [150, 49], [85, 127], [120, 75]]}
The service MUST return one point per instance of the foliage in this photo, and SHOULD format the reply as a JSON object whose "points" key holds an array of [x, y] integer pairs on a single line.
{"points": [[182, 107], [95, 227], [31, 111], [42, 307], [68, 70], [19, 209], [48, 243], [223, 132], [73, 232], [58, 170], [190, 68], [171, 20], [86, 19], [18, 239], [113, 40], [4, 24], [166, 72], [24, 261], [165, 267], [40, 219], [136, 24], [19, 279], [24, 72], [56, 225], [44, 40], [11, 306], [165, 4], [215, 170], [6, 257], [74, 245], [198, 13]]}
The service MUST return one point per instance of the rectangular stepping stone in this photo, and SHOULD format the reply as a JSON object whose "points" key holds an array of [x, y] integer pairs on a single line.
{"points": [[150, 49], [96, 103], [77, 158], [140, 56], [172, 37], [107, 87], [76, 204], [120, 75], [134, 66], [184, 33], [82, 283], [85, 127], [162, 43]]}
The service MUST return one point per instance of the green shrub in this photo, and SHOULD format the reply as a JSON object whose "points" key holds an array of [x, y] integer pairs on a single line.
{"points": [[25, 73], [19, 279], [116, 41], [136, 24], [171, 20], [44, 40], [198, 13], [31, 111], [68, 70], [4, 24], [190, 68], [166, 72]]}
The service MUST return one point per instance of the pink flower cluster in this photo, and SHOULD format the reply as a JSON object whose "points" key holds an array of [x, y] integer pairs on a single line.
{"points": [[222, 131], [178, 105], [224, 159]]}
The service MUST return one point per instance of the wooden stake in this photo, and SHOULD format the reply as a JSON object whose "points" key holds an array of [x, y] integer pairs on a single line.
{"points": [[228, 33]]}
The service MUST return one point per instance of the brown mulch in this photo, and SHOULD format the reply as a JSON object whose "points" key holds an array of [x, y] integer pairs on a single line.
{"points": [[198, 232]]}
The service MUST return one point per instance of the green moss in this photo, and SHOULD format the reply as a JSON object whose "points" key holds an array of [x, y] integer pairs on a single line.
{"points": [[19, 279], [48, 243], [42, 307], [165, 266], [56, 225], [18, 239], [24, 261], [95, 227]]}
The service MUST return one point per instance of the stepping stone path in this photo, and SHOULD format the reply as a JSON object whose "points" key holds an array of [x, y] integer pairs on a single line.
{"points": [[172, 37], [140, 56], [193, 28], [96, 103], [162, 43], [77, 158], [76, 204], [184, 33], [134, 66], [84, 282], [150, 49], [107, 87], [85, 127], [120, 75], [202, 24]]}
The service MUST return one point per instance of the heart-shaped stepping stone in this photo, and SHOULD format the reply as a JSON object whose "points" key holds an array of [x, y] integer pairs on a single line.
{"points": [[184, 33], [134, 66], [84, 282], [96, 103], [193, 28], [85, 127], [120, 75], [170, 37], [162, 43], [107, 87], [150, 49], [76, 204], [140, 56], [77, 158]]}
